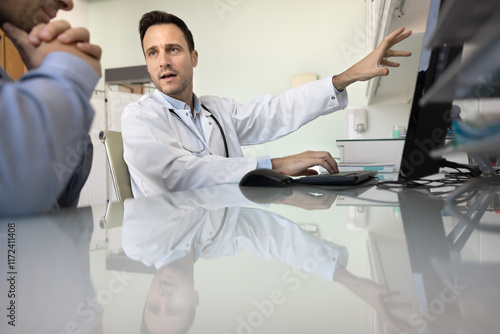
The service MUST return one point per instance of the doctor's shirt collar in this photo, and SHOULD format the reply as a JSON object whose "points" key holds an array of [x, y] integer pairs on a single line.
{"points": [[180, 105]]}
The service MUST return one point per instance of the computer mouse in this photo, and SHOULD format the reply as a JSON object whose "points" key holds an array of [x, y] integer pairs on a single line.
{"points": [[263, 177]]}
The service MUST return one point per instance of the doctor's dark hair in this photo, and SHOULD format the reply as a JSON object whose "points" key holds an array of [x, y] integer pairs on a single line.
{"points": [[159, 17]]}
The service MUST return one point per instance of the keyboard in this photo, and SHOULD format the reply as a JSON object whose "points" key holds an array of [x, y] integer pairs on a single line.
{"points": [[342, 178]]}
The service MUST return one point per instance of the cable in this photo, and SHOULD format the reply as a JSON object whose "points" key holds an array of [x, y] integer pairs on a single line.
{"points": [[473, 169], [427, 184]]}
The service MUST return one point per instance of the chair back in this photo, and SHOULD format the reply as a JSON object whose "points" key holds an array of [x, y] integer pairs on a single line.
{"points": [[120, 175]]}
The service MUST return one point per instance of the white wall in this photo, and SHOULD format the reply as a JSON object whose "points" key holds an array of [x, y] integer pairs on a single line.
{"points": [[247, 49], [79, 16]]}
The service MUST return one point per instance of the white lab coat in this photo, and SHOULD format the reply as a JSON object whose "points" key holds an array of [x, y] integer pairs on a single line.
{"points": [[162, 152]]}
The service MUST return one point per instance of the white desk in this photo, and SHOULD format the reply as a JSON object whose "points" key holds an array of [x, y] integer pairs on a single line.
{"points": [[72, 273]]}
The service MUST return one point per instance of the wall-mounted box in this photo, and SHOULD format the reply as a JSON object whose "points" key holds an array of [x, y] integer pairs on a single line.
{"points": [[382, 151], [371, 150]]}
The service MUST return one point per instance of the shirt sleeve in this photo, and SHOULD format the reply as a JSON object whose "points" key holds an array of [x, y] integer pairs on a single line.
{"points": [[45, 118], [264, 162], [341, 96]]}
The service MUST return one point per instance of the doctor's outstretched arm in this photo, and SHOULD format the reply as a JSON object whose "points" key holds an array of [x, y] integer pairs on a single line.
{"points": [[374, 64]]}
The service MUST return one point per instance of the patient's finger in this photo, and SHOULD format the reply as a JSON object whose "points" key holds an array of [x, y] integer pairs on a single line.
{"points": [[75, 35], [48, 32], [90, 49]]}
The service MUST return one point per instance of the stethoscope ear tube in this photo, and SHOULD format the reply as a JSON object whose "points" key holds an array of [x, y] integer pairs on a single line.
{"points": [[216, 122], [220, 128]]}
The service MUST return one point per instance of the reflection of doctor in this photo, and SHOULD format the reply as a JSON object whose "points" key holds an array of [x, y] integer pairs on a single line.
{"points": [[173, 231], [162, 229]]}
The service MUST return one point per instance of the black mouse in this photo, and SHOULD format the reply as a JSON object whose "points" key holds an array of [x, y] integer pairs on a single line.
{"points": [[263, 177]]}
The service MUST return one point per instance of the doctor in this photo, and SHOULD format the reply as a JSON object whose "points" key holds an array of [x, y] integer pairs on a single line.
{"points": [[174, 140]]}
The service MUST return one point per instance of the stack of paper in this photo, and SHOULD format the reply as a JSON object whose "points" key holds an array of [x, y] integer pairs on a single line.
{"points": [[381, 167]]}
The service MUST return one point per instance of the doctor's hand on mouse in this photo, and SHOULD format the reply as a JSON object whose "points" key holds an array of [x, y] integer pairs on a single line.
{"points": [[299, 164]]}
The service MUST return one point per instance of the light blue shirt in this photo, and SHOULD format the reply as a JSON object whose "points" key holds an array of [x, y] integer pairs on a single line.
{"points": [[45, 117]]}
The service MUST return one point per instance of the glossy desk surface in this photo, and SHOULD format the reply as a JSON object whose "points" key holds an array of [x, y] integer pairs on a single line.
{"points": [[291, 260]]}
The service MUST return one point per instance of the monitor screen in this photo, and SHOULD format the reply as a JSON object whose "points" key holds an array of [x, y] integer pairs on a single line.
{"points": [[428, 124]]}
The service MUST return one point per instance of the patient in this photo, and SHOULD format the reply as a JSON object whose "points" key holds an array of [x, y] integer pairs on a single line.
{"points": [[45, 149]]}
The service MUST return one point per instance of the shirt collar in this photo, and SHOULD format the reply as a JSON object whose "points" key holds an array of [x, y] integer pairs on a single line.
{"points": [[180, 105]]}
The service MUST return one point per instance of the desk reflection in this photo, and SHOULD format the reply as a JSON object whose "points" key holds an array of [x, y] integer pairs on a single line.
{"points": [[48, 287], [222, 260], [453, 296], [173, 231]]}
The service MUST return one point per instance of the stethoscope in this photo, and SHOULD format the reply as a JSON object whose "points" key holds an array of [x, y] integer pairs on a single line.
{"points": [[194, 133]]}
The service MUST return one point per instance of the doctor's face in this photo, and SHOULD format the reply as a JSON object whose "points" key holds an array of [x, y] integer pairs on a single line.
{"points": [[170, 63], [26, 14], [171, 300]]}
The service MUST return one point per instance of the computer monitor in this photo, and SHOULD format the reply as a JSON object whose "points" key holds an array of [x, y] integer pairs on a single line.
{"points": [[428, 124]]}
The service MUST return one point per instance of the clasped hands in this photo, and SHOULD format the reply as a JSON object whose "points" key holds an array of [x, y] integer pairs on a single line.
{"points": [[52, 37]]}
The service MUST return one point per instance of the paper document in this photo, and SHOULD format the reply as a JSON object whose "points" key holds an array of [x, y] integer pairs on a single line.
{"points": [[381, 167]]}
